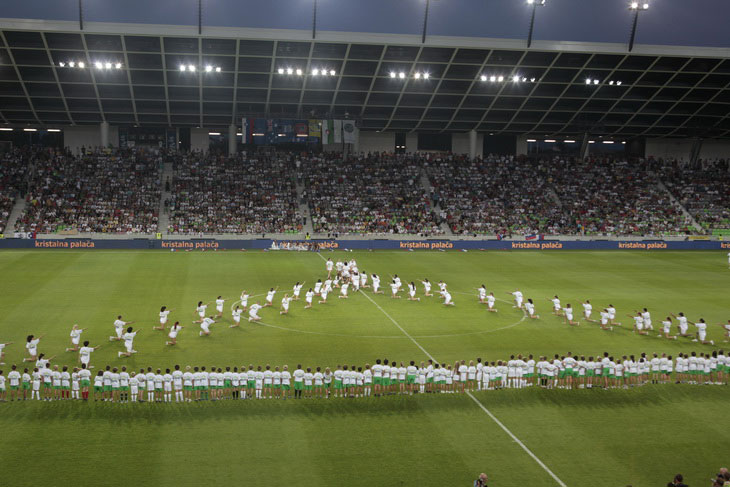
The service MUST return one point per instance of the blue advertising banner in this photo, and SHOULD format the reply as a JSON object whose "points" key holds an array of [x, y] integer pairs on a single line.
{"points": [[374, 244]]}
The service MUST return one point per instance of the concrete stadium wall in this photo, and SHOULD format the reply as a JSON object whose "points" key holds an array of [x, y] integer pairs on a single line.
{"points": [[88, 136], [378, 142]]}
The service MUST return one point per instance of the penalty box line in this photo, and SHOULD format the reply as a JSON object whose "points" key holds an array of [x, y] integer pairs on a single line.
{"points": [[473, 398]]}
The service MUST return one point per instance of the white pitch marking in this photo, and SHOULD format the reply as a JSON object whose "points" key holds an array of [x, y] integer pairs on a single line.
{"points": [[483, 408]]}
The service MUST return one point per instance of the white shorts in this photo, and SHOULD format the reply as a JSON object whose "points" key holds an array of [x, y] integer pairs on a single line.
{"points": [[120, 332], [168, 387], [490, 304], [518, 301], [85, 359], [309, 300], [412, 294], [219, 309], [172, 334], [163, 321], [587, 314], [447, 300], [237, 319], [569, 316], [134, 390], [251, 314], [296, 293], [204, 327], [129, 346], [286, 307], [76, 340], [702, 334], [201, 314]]}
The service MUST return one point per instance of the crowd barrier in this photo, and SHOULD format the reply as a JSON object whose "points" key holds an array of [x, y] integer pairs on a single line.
{"points": [[374, 244]]}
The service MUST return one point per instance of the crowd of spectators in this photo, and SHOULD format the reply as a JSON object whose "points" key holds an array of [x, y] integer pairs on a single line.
{"points": [[495, 195], [368, 194], [13, 184], [376, 193], [703, 189], [614, 197], [104, 192], [559, 196], [226, 195]]}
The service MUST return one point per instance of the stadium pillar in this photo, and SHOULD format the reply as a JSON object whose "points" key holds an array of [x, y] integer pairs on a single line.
{"points": [[104, 134], [232, 140], [472, 144]]}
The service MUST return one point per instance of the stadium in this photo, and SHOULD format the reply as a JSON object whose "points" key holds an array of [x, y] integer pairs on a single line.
{"points": [[348, 242]]}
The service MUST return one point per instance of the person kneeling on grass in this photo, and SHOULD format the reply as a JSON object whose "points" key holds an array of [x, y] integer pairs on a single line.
{"points": [[205, 326]]}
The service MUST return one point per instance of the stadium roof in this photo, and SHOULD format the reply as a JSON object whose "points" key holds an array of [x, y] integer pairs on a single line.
{"points": [[656, 90]]}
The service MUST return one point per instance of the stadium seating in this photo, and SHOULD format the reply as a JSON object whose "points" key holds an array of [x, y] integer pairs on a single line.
{"points": [[703, 191], [99, 192], [374, 194], [223, 195]]}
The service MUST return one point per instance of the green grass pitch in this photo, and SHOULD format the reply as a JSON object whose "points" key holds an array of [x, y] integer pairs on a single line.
{"points": [[585, 437]]}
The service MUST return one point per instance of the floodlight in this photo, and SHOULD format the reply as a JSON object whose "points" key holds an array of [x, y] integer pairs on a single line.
{"points": [[53, 130], [208, 69], [218, 69], [82, 65], [182, 67], [426, 75], [645, 6], [610, 82], [483, 78], [315, 71], [98, 65], [588, 81], [500, 78], [634, 5], [108, 65], [72, 64], [532, 80], [289, 71], [516, 79], [595, 81], [191, 68], [332, 72], [118, 65], [401, 75], [492, 79], [61, 64], [299, 72], [280, 70], [30, 130], [618, 83], [417, 75], [392, 74]]}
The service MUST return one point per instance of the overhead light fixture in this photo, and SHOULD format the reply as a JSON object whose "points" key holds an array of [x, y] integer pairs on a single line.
{"points": [[402, 75], [289, 71], [315, 72], [492, 79], [281, 135], [516, 79], [500, 78], [608, 141], [569, 141], [30, 130], [280, 70], [623, 142], [392, 74], [238, 134], [483, 77], [108, 65], [208, 69], [191, 68], [214, 133], [299, 72], [117, 65], [332, 72], [531, 140], [302, 135], [61, 64], [6, 129], [595, 81], [634, 5], [618, 83], [98, 65], [532, 80], [645, 6], [426, 75], [591, 141], [53, 130], [183, 67], [588, 81], [610, 82], [218, 69], [257, 135], [550, 140]]}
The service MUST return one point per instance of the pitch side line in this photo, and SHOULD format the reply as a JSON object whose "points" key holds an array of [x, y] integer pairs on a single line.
{"points": [[483, 408]]}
